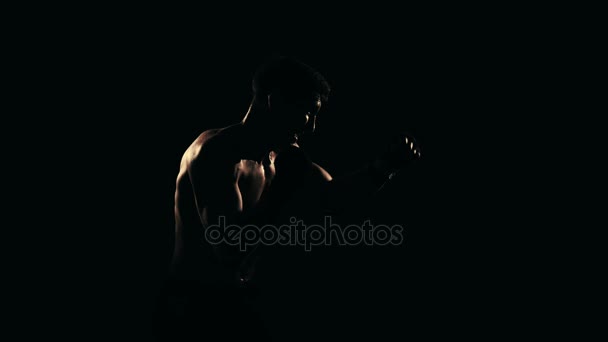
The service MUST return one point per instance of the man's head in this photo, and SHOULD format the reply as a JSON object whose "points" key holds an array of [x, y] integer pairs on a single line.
{"points": [[292, 93]]}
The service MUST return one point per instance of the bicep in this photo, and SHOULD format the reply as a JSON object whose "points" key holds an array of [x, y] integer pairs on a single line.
{"points": [[321, 173]]}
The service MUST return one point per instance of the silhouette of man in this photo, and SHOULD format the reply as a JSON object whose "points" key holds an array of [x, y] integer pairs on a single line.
{"points": [[247, 173]]}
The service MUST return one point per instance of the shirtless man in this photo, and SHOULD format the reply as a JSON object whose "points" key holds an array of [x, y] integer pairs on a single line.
{"points": [[246, 173]]}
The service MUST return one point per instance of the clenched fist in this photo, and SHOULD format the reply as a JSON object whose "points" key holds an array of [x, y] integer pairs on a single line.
{"points": [[401, 151]]}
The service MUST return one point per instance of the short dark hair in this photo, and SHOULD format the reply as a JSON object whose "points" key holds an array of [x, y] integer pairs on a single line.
{"points": [[289, 75]]}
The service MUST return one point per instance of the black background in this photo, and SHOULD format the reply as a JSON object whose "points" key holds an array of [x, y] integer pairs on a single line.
{"points": [[131, 98]]}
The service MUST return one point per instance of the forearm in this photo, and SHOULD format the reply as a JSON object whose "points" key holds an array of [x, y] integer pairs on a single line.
{"points": [[357, 188]]}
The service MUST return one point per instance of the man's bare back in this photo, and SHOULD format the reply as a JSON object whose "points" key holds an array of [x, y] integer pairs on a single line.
{"points": [[216, 178]]}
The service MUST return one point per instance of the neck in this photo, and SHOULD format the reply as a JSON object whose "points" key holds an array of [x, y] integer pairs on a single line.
{"points": [[255, 143]]}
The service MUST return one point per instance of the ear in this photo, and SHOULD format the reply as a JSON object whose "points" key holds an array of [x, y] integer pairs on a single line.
{"points": [[269, 100]]}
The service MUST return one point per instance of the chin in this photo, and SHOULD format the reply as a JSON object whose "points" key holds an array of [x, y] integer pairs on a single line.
{"points": [[290, 139], [281, 145]]}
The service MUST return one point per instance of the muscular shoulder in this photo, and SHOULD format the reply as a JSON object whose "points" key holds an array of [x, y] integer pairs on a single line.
{"points": [[209, 150], [200, 146], [320, 173]]}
